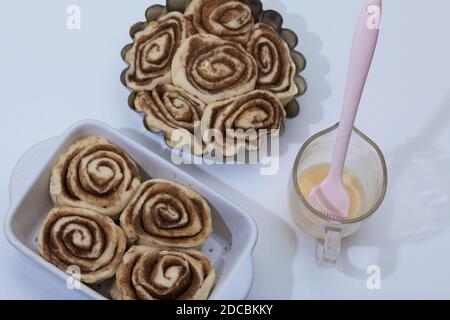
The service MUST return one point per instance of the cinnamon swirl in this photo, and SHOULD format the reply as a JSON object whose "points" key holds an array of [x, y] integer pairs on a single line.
{"points": [[151, 54], [84, 239], [213, 69], [165, 213], [95, 174], [229, 20], [242, 121], [168, 108], [148, 273], [276, 69]]}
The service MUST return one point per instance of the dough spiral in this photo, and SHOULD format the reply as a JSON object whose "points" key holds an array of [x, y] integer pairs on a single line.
{"points": [[149, 273], [168, 108], [276, 69], [75, 237], [165, 213], [229, 20], [151, 55], [213, 69], [240, 122], [95, 174]]}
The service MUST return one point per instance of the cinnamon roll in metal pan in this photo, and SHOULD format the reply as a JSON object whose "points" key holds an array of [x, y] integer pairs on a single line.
{"points": [[229, 20], [149, 273], [276, 69], [242, 121], [167, 109], [82, 239], [165, 213], [213, 69], [95, 174], [150, 56], [226, 49]]}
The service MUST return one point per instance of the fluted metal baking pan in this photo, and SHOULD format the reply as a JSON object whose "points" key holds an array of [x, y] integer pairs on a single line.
{"points": [[229, 247], [270, 17]]}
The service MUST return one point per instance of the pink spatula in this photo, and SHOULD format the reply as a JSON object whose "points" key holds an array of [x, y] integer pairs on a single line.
{"points": [[331, 196]]}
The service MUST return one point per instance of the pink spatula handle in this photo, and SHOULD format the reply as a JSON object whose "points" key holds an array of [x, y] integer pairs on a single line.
{"points": [[363, 48]]}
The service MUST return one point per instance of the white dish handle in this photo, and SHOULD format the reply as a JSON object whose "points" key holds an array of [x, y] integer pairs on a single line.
{"points": [[22, 174]]}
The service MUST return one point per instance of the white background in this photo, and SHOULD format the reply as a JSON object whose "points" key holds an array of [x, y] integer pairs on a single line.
{"points": [[51, 77]]}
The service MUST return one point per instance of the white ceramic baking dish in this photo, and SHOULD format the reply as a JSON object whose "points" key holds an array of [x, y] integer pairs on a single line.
{"points": [[229, 247]]}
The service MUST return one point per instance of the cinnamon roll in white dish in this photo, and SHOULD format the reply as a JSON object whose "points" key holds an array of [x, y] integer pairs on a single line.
{"points": [[82, 239], [149, 273], [165, 213], [95, 174]]}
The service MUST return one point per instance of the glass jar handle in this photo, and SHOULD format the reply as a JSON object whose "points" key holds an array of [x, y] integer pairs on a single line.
{"points": [[327, 251]]}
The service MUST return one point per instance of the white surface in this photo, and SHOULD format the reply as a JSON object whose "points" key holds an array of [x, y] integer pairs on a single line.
{"points": [[229, 247], [52, 77]]}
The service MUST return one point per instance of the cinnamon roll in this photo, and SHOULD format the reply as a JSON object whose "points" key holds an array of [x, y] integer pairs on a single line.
{"points": [[213, 69], [242, 121], [76, 237], [151, 54], [95, 174], [168, 108], [148, 273], [165, 213], [276, 69], [229, 20]]}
